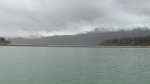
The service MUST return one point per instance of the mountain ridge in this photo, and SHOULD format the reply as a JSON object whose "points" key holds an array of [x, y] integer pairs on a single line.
{"points": [[89, 38]]}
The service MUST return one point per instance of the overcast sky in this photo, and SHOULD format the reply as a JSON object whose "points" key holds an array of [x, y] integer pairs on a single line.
{"points": [[52, 17]]}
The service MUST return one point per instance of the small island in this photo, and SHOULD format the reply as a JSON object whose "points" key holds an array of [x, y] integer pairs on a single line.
{"points": [[127, 41], [4, 41]]}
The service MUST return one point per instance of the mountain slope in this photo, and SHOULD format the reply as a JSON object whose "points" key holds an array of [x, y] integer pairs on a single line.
{"points": [[90, 38], [127, 41]]}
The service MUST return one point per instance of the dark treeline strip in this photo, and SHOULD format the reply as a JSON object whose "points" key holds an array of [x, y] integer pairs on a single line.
{"points": [[3, 40], [127, 41]]}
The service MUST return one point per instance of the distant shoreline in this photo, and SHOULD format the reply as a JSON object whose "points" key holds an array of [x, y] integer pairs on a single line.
{"points": [[80, 46]]}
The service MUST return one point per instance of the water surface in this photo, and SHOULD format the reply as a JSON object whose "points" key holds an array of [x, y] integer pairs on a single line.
{"points": [[54, 65]]}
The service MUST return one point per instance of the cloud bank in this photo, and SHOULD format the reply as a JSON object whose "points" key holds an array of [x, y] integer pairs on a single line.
{"points": [[58, 17]]}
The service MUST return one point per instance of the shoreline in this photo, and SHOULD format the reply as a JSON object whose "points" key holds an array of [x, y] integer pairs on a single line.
{"points": [[78, 46]]}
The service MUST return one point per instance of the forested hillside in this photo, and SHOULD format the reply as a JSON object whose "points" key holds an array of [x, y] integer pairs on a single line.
{"points": [[4, 40], [127, 41]]}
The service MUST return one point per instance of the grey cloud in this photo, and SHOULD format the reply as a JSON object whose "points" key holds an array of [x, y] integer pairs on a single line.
{"points": [[138, 7], [48, 17], [69, 15]]}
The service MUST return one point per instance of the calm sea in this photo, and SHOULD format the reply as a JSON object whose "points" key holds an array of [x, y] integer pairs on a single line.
{"points": [[54, 65]]}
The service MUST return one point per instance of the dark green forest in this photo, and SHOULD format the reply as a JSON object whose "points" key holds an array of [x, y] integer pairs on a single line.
{"points": [[3, 40], [127, 41]]}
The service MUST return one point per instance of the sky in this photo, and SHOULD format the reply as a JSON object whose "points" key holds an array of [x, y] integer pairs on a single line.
{"points": [[22, 18]]}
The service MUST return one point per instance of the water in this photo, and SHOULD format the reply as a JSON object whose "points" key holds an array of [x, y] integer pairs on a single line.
{"points": [[48, 65]]}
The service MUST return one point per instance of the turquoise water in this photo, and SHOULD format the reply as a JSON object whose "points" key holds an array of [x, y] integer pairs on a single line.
{"points": [[48, 65]]}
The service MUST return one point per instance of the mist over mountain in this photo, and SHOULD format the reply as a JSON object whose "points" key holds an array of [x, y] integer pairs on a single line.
{"points": [[90, 38]]}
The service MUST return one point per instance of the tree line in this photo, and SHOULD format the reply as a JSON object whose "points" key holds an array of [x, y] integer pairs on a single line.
{"points": [[3, 40], [127, 41]]}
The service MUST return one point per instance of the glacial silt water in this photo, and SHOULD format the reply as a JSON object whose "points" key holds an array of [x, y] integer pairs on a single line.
{"points": [[54, 65]]}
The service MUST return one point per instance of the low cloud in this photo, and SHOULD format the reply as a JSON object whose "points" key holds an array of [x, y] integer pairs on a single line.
{"points": [[25, 17]]}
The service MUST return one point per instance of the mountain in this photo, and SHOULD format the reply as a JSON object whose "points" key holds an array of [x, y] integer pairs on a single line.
{"points": [[90, 38]]}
